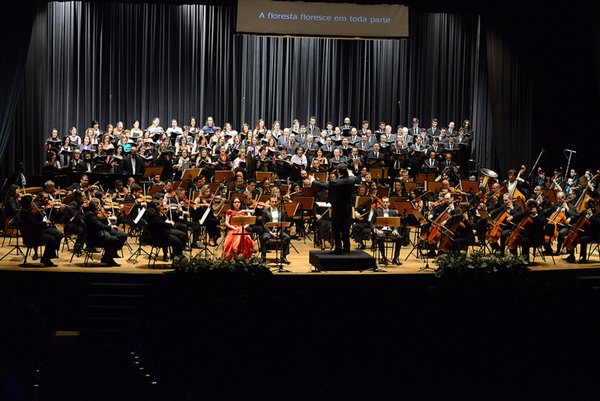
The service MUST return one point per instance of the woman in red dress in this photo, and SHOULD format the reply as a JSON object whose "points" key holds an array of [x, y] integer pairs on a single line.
{"points": [[236, 244]]}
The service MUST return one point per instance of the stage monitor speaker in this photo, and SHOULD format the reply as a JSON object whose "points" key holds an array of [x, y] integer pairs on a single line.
{"points": [[353, 260]]}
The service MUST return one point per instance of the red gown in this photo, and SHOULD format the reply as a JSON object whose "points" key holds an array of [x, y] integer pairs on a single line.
{"points": [[236, 244]]}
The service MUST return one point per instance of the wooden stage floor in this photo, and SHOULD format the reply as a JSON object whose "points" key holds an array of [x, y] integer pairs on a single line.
{"points": [[299, 263]]}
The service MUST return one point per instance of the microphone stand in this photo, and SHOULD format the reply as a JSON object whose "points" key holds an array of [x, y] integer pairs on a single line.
{"points": [[533, 169], [568, 163]]}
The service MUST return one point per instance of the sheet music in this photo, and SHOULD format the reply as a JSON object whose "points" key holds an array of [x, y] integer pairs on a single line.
{"points": [[323, 204], [139, 215]]}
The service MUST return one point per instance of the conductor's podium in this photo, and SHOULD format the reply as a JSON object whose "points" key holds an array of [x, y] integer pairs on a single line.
{"points": [[353, 260]]}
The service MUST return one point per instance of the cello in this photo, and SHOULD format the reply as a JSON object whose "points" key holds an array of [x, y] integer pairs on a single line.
{"points": [[515, 237], [434, 234], [574, 237], [557, 218], [455, 227], [495, 232]]}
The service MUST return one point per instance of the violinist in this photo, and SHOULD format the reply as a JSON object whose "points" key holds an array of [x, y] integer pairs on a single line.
{"points": [[397, 189], [180, 216], [169, 193], [99, 232], [494, 199], [83, 185], [162, 231], [539, 197], [387, 233], [12, 208], [590, 234], [36, 230], [73, 220], [207, 204], [322, 221]]}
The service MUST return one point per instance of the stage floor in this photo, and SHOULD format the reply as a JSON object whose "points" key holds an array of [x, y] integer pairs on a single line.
{"points": [[299, 263]]}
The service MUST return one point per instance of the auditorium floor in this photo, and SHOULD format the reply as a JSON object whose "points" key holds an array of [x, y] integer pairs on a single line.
{"points": [[299, 263]]}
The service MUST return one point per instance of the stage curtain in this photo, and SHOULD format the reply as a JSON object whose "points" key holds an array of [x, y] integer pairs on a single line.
{"points": [[15, 34], [125, 62]]}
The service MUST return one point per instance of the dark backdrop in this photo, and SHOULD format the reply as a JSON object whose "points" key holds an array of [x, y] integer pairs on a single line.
{"points": [[124, 62]]}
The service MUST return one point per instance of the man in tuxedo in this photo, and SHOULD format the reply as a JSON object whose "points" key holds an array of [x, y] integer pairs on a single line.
{"points": [[376, 157], [415, 130], [134, 164], [340, 194], [101, 233], [434, 131], [36, 230], [436, 146], [312, 128], [274, 214], [389, 233], [431, 165]]}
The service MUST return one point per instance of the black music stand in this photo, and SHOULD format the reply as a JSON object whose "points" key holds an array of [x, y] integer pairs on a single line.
{"points": [[383, 222], [242, 221], [279, 248]]}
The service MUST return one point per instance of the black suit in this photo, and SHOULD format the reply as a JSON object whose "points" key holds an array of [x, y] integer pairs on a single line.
{"points": [[387, 234], [127, 165], [269, 233], [35, 232], [163, 234], [340, 195], [99, 233]]}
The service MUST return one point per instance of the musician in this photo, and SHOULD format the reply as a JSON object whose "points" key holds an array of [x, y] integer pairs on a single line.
{"points": [[180, 215], [75, 163], [235, 243], [83, 184], [562, 206], [387, 233], [513, 210], [36, 230], [431, 165], [590, 234], [273, 214], [415, 130], [340, 192], [322, 222], [462, 233], [539, 197], [100, 233], [376, 157], [534, 236], [513, 183], [162, 231], [337, 159], [73, 219], [207, 204], [134, 164], [299, 162], [434, 131]]}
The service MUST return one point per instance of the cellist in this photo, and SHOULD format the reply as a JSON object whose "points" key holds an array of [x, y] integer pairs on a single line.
{"points": [[534, 236], [590, 233], [562, 206], [513, 211]]}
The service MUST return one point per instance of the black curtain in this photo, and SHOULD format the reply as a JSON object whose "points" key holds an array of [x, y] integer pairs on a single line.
{"points": [[15, 33], [126, 62]]}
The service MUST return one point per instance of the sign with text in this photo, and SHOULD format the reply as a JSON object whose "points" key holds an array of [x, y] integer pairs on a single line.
{"points": [[343, 20]]}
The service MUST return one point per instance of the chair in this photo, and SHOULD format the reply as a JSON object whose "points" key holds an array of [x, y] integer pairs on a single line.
{"points": [[11, 231], [539, 250]]}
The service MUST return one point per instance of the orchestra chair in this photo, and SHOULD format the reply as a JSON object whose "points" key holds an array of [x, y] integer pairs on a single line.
{"points": [[276, 243], [155, 245], [389, 241], [539, 250], [88, 249], [11, 231], [36, 249], [593, 246]]}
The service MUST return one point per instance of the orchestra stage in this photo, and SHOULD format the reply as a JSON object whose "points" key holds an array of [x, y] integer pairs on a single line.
{"points": [[299, 263]]}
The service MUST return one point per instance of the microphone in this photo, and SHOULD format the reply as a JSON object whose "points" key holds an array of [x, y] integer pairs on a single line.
{"points": [[569, 150]]}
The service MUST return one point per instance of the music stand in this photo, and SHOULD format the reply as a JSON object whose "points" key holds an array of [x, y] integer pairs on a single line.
{"points": [[470, 187], [152, 171], [305, 207], [310, 192], [321, 176], [154, 189], [379, 223], [279, 249], [433, 186], [261, 175], [189, 174], [242, 221], [223, 175]]}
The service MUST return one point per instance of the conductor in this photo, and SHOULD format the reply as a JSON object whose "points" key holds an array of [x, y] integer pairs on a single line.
{"points": [[340, 197]]}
